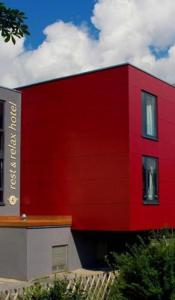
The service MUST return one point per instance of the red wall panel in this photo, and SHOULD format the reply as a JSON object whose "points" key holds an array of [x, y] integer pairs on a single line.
{"points": [[75, 149], [144, 216]]}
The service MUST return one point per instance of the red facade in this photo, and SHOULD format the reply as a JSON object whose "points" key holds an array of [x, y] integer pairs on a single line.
{"points": [[82, 148], [162, 215]]}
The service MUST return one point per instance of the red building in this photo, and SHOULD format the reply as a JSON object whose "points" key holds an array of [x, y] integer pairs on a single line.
{"points": [[100, 147], [86, 161]]}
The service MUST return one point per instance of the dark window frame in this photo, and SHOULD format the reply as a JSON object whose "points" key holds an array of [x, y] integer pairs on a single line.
{"points": [[143, 101], [156, 200]]}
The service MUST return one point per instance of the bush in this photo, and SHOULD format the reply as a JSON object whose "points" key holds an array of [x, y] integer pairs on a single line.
{"points": [[35, 292], [58, 291], [146, 270]]}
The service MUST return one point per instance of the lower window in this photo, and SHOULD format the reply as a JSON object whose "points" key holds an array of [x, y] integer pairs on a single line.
{"points": [[59, 258], [150, 180]]}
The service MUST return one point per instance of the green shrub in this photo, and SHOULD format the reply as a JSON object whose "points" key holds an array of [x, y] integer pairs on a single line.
{"points": [[77, 293], [146, 270], [35, 292], [58, 291]]}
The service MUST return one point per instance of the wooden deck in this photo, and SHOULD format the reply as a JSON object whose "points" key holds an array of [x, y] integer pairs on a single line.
{"points": [[35, 221]]}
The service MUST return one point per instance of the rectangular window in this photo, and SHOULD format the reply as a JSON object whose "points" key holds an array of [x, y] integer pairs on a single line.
{"points": [[149, 115], [59, 258], [150, 180], [1, 151]]}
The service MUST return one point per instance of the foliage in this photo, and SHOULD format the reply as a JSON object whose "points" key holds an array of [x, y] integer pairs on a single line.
{"points": [[35, 292], [76, 293], [12, 23], [146, 270], [57, 291]]}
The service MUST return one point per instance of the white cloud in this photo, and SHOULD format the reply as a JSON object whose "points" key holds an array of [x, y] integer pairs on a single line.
{"points": [[127, 29]]}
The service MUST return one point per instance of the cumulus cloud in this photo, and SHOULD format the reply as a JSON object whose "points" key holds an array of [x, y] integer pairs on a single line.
{"points": [[128, 30]]}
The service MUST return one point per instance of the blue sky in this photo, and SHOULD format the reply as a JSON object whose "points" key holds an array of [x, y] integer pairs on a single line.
{"points": [[120, 31], [41, 13]]}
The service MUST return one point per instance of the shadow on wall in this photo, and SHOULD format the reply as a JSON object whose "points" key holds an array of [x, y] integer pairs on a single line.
{"points": [[92, 246]]}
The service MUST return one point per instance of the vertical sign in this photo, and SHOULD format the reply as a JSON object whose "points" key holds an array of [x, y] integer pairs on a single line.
{"points": [[12, 146], [11, 158]]}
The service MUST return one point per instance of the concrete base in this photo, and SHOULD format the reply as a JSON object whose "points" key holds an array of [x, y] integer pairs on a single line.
{"points": [[26, 253], [26, 246]]}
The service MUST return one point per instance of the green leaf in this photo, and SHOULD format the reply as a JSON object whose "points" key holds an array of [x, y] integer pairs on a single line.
{"points": [[13, 40], [7, 39], [12, 23]]}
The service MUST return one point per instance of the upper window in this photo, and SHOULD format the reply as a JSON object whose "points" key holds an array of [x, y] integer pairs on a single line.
{"points": [[149, 115], [150, 180]]}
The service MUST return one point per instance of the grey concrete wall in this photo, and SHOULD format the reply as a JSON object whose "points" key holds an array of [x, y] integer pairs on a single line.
{"points": [[13, 253], [12, 127], [27, 253], [39, 249], [74, 261]]}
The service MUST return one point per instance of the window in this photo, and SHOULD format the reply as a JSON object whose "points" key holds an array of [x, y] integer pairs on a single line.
{"points": [[1, 150], [150, 180], [149, 115], [59, 258]]}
